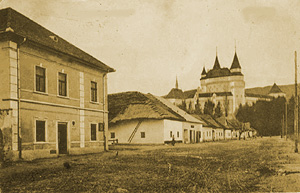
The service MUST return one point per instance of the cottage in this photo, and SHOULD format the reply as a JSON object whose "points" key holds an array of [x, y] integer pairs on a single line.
{"points": [[139, 118], [56, 92], [212, 130]]}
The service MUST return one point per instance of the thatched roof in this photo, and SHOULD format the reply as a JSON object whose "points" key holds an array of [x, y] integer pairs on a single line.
{"points": [[136, 105]]}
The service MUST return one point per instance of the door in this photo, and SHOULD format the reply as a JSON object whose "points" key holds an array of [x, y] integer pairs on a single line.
{"points": [[62, 138]]}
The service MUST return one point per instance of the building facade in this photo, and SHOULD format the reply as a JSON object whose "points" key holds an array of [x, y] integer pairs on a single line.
{"points": [[219, 85], [57, 92]]}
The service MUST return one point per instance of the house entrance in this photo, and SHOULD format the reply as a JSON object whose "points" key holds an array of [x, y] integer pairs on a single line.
{"points": [[62, 138]]}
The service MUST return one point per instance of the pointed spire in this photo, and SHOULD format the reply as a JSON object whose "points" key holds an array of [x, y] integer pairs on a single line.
{"points": [[235, 62], [217, 64], [203, 71], [176, 84]]}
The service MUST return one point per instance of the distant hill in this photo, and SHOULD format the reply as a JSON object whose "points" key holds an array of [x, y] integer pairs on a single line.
{"points": [[289, 90]]}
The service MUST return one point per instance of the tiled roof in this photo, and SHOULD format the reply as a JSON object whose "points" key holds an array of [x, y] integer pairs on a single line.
{"points": [[22, 26], [210, 94], [209, 121], [189, 93], [275, 89], [175, 93], [179, 111]]}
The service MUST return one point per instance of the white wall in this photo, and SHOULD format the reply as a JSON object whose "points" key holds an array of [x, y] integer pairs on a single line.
{"points": [[154, 131], [227, 134], [206, 134], [174, 126]]}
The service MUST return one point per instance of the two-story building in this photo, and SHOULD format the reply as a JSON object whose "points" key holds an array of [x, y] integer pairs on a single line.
{"points": [[56, 92]]}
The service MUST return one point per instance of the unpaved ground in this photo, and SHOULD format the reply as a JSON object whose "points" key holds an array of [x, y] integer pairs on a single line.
{"points": [[230, 166]]}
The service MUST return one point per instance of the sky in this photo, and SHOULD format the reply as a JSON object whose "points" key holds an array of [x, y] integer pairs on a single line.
{"points": [[150, 42]]}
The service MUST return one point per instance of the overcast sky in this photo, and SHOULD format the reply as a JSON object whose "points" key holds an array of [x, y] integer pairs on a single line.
{"points": [[149, 42]]}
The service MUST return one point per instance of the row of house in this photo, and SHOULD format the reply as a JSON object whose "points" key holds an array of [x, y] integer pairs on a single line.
{"points": [[53, 101], [137, 118]]}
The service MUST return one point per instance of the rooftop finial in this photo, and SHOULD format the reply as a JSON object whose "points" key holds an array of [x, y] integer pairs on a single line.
{"points": [[216, 50], [235, 45], [176, 84]]}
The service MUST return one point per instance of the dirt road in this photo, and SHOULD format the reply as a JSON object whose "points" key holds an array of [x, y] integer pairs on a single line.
{"points": [[256, 165]]}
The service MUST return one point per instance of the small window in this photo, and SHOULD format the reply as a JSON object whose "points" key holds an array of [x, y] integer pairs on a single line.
{"points": [[40, 131], [143, 135], [112, 135], [171, 134], [177, 133], [40, 79], [192, 126], [62, 84], [93, 132], [93, 91]]}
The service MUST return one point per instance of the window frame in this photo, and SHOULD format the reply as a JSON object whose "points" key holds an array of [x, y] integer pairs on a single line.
{"points": [[58, 84], [112, 135], [143, 134], [96, 132], [96, 92], [35, 79], [35, 130]]}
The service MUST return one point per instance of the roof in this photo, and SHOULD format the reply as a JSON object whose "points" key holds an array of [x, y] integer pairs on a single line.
{"points": [[14, 22], [210, 94], [234, 123], [189, 93], [208, 120], [179, 111], [136, 105], [247, 94], [217, 71], [175, 93], [235, 62], [275, 89], [217, 64]]}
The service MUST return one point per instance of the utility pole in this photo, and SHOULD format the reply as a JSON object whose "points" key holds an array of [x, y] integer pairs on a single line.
{"points": [[282, 126], [296, 107], [286, 120]]}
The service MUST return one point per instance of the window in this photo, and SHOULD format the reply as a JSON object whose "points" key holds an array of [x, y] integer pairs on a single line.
{"points": [[112, 135], [143, 135], [40, 131], [40, 79], [93, 91], [62, 84], [171, 134], [177, 133], [192, 126], [93, 132]]}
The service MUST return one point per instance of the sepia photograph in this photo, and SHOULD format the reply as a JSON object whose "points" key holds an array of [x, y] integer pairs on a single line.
{"points": [[149, 96]]}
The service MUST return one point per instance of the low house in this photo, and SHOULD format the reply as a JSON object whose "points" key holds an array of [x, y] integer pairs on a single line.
{"points": [[212, 131], [139, 118]]}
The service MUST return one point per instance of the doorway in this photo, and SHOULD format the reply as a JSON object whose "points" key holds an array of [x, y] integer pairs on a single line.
{"points": [[62, 138]]}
